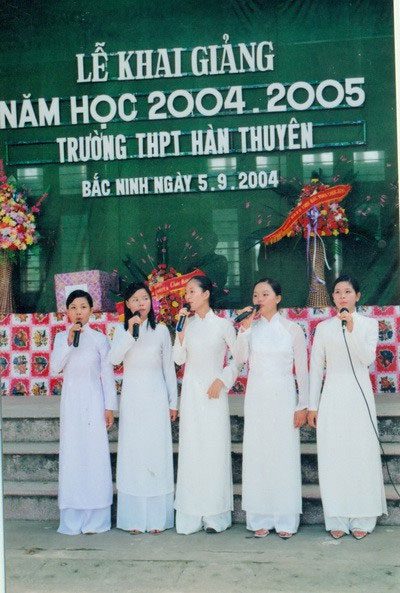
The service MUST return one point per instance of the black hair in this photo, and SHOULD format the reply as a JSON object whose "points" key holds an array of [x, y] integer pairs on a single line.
{"points": [[130, 290], [276, 287], [79, 294], [205, 284], [346, 278]]}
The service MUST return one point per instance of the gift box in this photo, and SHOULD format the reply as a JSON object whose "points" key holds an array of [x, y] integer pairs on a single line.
{"points": [[97, 283]]}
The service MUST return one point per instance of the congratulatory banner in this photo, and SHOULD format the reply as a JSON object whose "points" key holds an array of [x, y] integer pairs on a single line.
{"points": [[129, 108]]}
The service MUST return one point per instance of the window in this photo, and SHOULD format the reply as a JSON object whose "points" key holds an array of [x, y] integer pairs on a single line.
{"points": [[31, 270], [32, 179], [369, 165], [71, 177], [226, 227], [271, 163], [224, 164], [321, 162], [74, 244], [30, 267]]}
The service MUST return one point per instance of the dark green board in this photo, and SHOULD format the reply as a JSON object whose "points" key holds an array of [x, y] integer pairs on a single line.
{"points": [[312, 41]]}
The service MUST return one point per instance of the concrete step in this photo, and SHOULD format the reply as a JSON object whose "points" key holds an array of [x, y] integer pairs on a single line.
{"points": [[37, 419], [38, 501], [38, 461], [31, 433]]}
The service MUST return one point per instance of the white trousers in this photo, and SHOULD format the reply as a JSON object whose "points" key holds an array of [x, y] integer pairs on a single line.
{"points": [[287, 523], [350, 524], [145, 513], [186, 524], [76, 521]]}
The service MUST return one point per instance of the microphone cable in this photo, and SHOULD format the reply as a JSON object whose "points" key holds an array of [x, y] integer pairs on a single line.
{"points": [[370, 417]]}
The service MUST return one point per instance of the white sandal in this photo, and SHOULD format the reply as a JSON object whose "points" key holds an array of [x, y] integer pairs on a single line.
{"points": [[360, 534], [261, 533], [285, 534]]}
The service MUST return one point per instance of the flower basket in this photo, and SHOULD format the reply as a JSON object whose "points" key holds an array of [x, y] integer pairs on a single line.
{"points": [[317, 215], [6, 298], [17, 233]]}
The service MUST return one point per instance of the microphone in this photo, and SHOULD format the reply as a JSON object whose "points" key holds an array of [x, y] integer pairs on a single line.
{"points": [[344, 322], [77, 335], [135, 329], [182, 319], [246, 314]]}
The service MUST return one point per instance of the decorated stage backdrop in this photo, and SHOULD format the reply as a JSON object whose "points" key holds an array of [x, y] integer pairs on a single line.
{"points": [[26, 341], [205, 122]]}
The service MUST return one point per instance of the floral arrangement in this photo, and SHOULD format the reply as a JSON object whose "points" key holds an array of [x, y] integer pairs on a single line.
{"points": [[166, 284], [316, 215], [167, 307], [330, 220], [326, 220], [17, 221]]}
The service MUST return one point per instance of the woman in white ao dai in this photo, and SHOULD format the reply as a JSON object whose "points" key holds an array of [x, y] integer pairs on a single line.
{"points": [[145, 477], [273, 413], [204, 493], [88, 399], [349, 461]]}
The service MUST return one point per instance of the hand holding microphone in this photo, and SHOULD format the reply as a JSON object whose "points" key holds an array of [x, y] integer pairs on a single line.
{"points": [[74, 334], [133, 324], [247, 313], [346, 318], [183, 313]]}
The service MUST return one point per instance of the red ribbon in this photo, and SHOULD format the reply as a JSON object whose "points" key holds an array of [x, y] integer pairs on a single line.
{"points": [[161, 289], [320, 198]]}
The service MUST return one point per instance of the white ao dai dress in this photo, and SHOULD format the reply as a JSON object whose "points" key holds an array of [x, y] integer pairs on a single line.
{"points": [[349, 462], [204, 493], [271, 479], [145, 478], [85, 486]]}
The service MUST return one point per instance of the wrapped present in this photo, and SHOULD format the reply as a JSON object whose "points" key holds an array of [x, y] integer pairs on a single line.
{"points": [[95, 282]]}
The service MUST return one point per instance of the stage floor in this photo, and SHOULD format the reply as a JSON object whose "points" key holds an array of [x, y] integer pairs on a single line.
{"points": [[41, 561]]}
